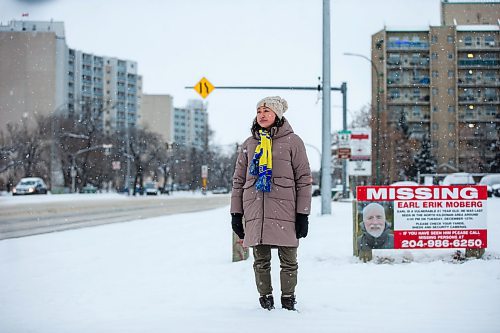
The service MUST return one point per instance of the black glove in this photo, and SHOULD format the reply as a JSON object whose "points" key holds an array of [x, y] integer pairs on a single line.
{"points": [[237, 224], [301, 225]]}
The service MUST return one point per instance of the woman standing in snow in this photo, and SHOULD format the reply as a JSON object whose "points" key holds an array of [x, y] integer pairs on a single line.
{"points": [[272, 191]]}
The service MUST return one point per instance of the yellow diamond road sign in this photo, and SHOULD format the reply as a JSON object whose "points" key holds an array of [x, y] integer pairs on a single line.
{"points": [[204, 87]]}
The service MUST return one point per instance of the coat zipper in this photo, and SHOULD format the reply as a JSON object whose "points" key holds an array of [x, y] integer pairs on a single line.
{"points": [[262, 225]]}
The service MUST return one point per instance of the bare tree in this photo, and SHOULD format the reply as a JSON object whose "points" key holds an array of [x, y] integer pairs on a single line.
{"points": [[361, 119], [146, 151]]}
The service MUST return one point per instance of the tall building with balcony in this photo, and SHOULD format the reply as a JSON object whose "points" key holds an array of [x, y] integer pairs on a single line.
{"points": [[190, 125], [40, 75], [438, 83], [110, 87]]}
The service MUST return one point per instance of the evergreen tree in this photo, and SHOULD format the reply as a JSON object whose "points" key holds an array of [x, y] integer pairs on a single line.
{"points": [[423, 161]]}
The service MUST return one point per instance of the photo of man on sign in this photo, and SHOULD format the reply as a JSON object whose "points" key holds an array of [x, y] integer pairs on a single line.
{"points": [[374, 229]]}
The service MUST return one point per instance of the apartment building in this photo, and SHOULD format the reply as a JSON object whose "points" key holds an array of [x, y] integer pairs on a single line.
{"points": [[110, 87], [190, 124], [40, 75], [33, 57], [157, 113], [438, 83]]}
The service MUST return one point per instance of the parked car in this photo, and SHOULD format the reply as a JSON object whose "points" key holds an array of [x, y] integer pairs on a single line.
{"points": [[166, 189], [492, 183], [316, 191], [89, 188], [459, 178], [150, 188], [405, 183], [31, 185]]}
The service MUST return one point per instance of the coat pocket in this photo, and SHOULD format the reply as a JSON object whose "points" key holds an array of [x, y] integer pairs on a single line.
{"points": [[283, 188], [249, 190]]}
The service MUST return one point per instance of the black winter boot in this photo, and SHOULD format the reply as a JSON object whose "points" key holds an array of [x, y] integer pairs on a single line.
{"points": [[267, 302], [288, 302]]}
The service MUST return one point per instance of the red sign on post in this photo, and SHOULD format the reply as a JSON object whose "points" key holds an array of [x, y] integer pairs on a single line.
{"points": [[344, 153], [427, 217]]}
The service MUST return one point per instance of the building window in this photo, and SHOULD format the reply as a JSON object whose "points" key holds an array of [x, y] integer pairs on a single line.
{"points": [[450, 39], [435, 126], [451, 109], [451, 91], [435, 74], [489, 41], [434, 55], [434, 91], [468, 41], [451, 144], [434, 39], [490, 110], [450, 55], [435, 109], [451, 74], [394, 93], [417, 111], [416, 93], [451, 127]]}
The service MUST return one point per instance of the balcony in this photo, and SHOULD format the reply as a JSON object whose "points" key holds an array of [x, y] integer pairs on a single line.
{"points": [[486, 46], [422, 81], [469, 99], [471, 82], [477, 63], [405, 45], [476, 118], [423, 100]]}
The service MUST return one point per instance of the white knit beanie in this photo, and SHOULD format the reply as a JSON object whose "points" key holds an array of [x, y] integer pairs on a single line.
{"points": [[275, 103]]}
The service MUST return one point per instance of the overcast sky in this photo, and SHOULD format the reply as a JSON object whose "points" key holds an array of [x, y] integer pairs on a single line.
{"points": [[232, 42]]}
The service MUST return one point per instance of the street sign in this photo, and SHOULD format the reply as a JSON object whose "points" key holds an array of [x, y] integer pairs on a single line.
{"points": [[361, 145], [204, 171], [204, 87], [344, 153], [344, 149], [360, 167], [344, 139]]}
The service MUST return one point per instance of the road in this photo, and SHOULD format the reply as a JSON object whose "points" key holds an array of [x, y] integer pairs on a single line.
{"points": [[19, 220]]}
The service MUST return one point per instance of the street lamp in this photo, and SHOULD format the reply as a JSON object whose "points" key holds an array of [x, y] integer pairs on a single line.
{"points": [[377, 167]]}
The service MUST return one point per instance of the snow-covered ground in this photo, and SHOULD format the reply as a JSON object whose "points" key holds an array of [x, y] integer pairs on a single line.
{"points": [[174, 274]]}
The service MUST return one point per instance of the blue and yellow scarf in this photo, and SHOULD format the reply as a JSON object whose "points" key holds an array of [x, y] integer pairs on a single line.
{"points": [[262, 162]]}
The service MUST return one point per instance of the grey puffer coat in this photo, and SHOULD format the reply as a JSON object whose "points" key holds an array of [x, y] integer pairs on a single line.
{"points": [[270, 216]]}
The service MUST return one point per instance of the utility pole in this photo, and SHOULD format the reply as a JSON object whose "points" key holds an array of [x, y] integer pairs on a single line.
{"points": [[326, 163], [344, 128]]}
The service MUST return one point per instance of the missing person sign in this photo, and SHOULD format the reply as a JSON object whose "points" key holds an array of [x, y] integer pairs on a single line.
{"points": [[426, 217]]}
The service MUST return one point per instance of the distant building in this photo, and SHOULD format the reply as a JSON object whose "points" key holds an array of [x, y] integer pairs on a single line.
{"points": [[157, 113], [440, 84], [40, 75], [470, 12], [190, 125], [33, 58], [110, 86]]}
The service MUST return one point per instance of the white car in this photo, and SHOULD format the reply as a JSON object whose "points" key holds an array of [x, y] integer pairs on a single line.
{"points": [[31, 185], [150, 188], [405, 183], [492, 182], [459, 178]]}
